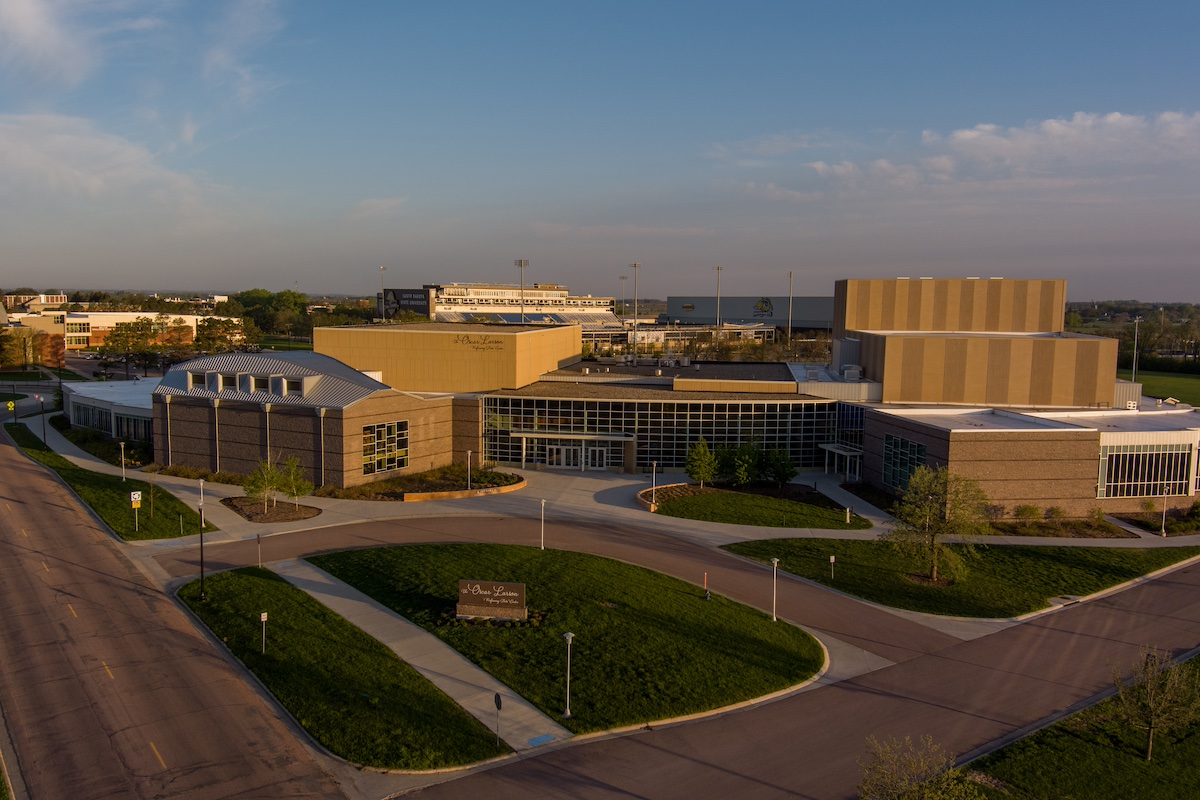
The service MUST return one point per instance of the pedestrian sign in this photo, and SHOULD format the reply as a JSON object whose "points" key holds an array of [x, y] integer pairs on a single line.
{"points": [[136, 499], [12, 406]]}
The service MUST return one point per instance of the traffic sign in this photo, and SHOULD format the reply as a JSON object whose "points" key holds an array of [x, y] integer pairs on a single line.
{"points": [[262, 617], [135, 497], [12, 406]]}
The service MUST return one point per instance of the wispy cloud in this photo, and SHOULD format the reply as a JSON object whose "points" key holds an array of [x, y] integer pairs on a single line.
{"points": [[553, 230], [38, 38], [246, 26], [375, 208]]}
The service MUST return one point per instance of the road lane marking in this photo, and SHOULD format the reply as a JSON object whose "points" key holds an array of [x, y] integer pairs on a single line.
{"points": [[156, 755], [45, 567], [73, 614], [109, 671], [23, 533]]}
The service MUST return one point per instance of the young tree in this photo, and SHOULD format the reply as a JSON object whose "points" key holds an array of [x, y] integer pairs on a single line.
{"points": [[937, 505], [1159, 696], [701, 464], [907, 770], [264, 482], [778, 466], [292, 480]]}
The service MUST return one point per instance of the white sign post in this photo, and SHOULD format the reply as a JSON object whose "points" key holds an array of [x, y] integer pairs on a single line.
{"points": [[135, 499], [832, 559], [263, 618]]}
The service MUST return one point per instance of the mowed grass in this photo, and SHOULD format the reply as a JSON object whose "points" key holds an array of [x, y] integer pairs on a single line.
{"points": [[740, 508], [647, 647], [1005, 581], [1181, 386], [108, 496], [345, 688], [1093, 756]]}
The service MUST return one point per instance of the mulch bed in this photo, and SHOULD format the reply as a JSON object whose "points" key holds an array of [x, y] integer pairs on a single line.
{"points": [[283, 511]]}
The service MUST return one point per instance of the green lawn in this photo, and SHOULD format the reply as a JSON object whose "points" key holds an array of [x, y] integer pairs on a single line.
{"points": [[1005, 581], [449, 478], [282, 343], [345, 688], [137, 454], [647, 646], [5, 397], [22, 376], [751, 509], [108, 495], [1179, 385], [1092, 756]]}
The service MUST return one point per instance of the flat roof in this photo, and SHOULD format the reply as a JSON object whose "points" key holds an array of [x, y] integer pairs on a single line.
{"points": [[976, 419], [624, 391], [697, 370], [446, 327], [131, 394], [1157, 421]]}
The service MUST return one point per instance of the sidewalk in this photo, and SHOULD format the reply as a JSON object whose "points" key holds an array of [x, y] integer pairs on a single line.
{"points": [[522, 725]]}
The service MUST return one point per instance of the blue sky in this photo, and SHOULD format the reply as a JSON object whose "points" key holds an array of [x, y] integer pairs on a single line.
{"points": [[226, 145]]}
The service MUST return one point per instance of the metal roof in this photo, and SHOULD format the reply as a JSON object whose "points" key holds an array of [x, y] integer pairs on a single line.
{"points": [[336, 386]]}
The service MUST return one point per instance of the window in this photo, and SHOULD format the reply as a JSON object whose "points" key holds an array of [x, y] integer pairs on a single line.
{"points": [[1144, 470], [294, 387], [901, 458], [385, 447], [260, 384], [196, 380], [228, 382]]}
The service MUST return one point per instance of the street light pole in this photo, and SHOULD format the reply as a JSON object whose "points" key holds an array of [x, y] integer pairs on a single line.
{"points": [[543, 523], [568, 636], [653, 481], [1133, 379], [468, 470], [636, 267], [203, 594], [789, 336], [774, 583], [718, 270], [122, 462], [382, 294], [202, 515], [522, 263]]}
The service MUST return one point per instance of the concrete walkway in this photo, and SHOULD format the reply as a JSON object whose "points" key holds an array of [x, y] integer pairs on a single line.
{"points": [[522, 725]]}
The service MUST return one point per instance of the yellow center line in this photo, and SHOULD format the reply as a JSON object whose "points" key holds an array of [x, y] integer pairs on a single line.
{"points": [[73, 614], [156, 755], [23, 533], [109, 671], [45, 567]]}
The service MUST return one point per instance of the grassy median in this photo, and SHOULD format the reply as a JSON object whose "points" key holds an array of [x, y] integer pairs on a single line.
{"points": [[108, 495], [1005, 581], [345, 688], [738, 508], [1095, 756], [647, 646]]}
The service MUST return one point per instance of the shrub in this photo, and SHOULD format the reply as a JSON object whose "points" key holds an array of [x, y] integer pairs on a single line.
{"points": [[1055, 514], [1027, 514], [1096, 515]]}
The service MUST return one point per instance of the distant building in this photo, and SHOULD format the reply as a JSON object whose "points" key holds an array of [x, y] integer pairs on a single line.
{"points": [[33, 302], [807, 313], [498, 302], [85, 330]]}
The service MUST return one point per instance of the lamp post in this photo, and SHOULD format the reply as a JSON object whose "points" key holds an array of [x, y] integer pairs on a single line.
{"points": [[522, 263], [1133, 379], [382, 293], [122, 462], [636, 267], [203, 594], [789, 336], [468, 470], [543, 523], [568, 636], [774, 584], [653, 481], [42, 399], [718, 270], [202, 515]]}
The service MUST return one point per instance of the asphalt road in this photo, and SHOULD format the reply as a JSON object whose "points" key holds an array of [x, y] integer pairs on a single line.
{"points": [[964, 694], [107, 688]]}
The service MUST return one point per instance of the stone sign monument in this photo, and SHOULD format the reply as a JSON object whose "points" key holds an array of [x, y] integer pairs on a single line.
{"points": [[491, 599]]}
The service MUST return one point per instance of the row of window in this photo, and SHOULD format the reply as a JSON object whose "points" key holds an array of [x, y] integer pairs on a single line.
{"points": [[901, 457], [247, 384], [1147, 470]]}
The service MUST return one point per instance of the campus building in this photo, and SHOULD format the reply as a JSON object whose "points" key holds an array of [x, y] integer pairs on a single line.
{"points": [[498, 303], [85, 330]]}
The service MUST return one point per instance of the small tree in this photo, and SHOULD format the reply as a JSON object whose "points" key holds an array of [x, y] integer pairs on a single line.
{"points": [[264, 482], [292, 480], [778, 466], [701, 464], [739, 465], [1027, 515], [1159, 696], [937, 505], [904, 770]]}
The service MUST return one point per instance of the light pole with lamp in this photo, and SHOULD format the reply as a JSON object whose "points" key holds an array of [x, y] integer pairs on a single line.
{"points": [[718, 270], [774, 583], [653, 481], [789, 336], [522, 263], [468, 470], [568, 636], [543, 523], [382, 294], [636, 267], [1133, 378], [122, 462], [42, 399], [202, 515]]}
